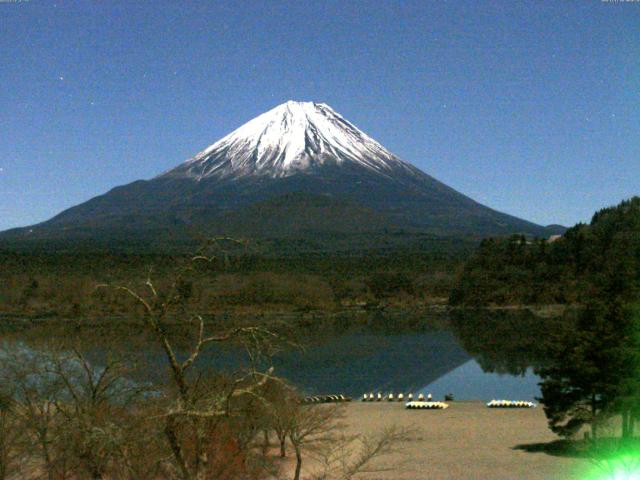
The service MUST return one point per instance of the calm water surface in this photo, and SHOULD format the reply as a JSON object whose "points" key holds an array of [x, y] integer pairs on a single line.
{"points": [[473, 357]]}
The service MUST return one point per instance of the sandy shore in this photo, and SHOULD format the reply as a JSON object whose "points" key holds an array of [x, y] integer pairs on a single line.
{"points": [[464, 442]]}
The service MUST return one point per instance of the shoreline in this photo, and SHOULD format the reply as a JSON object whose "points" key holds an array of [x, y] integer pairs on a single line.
{"points": [[279, 313]]}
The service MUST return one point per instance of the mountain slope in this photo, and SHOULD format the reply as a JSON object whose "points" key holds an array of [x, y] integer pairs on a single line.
{"points": [[298, 170]]}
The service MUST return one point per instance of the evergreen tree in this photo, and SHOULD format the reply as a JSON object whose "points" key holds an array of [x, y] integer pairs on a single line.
{"points": [[596, 368]]}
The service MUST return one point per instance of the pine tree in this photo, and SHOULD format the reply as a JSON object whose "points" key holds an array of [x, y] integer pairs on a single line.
{"points": [[582, 382], [595, 371]]}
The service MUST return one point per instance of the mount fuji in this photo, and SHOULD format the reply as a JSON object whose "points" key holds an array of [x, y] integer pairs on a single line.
{"points": [[298, 172]]}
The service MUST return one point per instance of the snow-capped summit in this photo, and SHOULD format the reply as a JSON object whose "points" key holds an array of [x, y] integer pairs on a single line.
{"points": [[292, 137]]}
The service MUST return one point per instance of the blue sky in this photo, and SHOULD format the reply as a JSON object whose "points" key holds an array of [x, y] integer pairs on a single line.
{"points": [[530, 107]]}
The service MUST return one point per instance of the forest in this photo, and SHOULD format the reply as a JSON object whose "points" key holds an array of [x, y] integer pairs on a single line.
{"points": [[566, 270], [40, 283]]}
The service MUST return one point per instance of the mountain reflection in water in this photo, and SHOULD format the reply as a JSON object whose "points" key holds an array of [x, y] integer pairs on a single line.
{"points": [[364, 362], [478, 356], [470, 382]]}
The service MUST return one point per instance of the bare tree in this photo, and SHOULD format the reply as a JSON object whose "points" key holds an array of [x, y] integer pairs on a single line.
{"points": [[97, 404], [74, 415], [282, 405], [318, 431], [10, 436], [310, 427], [32, 393], [347, 456], [194, 409]]}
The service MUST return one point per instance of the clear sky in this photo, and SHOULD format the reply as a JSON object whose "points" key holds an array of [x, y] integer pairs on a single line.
{"points": [[530, 107]]}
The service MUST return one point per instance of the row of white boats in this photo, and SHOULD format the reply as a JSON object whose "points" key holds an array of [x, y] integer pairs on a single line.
{"points": [[427, 402], [510, 404], [421, 403], [417, 405], [400, 397]]}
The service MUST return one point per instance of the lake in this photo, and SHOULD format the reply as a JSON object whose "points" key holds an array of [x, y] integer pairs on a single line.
{"points": [[419, 362], [472, 356]]}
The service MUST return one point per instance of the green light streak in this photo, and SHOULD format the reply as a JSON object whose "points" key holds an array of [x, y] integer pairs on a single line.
{"points": [[620, 464]]}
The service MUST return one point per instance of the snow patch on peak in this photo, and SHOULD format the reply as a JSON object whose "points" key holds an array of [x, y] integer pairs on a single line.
{"points": [[292, 137]]}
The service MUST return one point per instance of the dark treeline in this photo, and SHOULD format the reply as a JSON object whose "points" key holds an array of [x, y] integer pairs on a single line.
{"points": [[63, 283], [517, 271]]}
